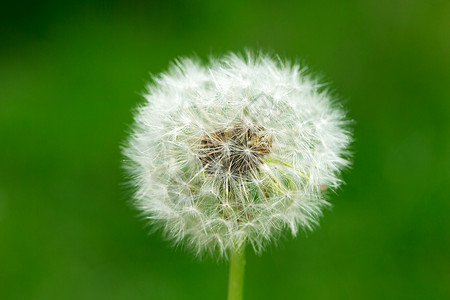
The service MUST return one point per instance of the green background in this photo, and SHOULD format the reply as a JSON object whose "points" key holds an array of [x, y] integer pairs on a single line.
{"points": [[71, 72]]}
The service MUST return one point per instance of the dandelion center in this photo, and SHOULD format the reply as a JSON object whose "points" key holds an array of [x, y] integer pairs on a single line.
{"points": [[235, 150]]}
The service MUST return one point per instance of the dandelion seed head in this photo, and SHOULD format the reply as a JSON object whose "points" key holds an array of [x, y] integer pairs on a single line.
{"points": [[235, 151]]}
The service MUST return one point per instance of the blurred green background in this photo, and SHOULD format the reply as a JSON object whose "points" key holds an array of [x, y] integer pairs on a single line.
{"points": [[71, 73]]}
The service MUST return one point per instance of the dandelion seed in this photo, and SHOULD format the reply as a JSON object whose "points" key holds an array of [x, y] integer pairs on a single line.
{"points": [[235, 152]]}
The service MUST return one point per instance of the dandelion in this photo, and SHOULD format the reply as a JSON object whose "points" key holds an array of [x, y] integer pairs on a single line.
{"points": [[235, 153]]}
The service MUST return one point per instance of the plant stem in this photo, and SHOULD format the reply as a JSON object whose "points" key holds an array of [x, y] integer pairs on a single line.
{"points": [[236, 277]]}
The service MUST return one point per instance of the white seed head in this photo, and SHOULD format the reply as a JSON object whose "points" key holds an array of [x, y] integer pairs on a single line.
{"points": [[235, 152]]}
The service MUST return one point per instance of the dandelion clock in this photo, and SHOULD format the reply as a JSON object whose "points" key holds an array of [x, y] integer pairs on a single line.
{"points": [[235, 153]]}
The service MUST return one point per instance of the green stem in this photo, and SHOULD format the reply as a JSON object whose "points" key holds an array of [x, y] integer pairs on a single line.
{"points": [[236, 277]]}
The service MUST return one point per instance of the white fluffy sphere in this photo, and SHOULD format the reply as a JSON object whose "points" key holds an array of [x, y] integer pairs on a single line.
{"points": [[235, 152]]}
